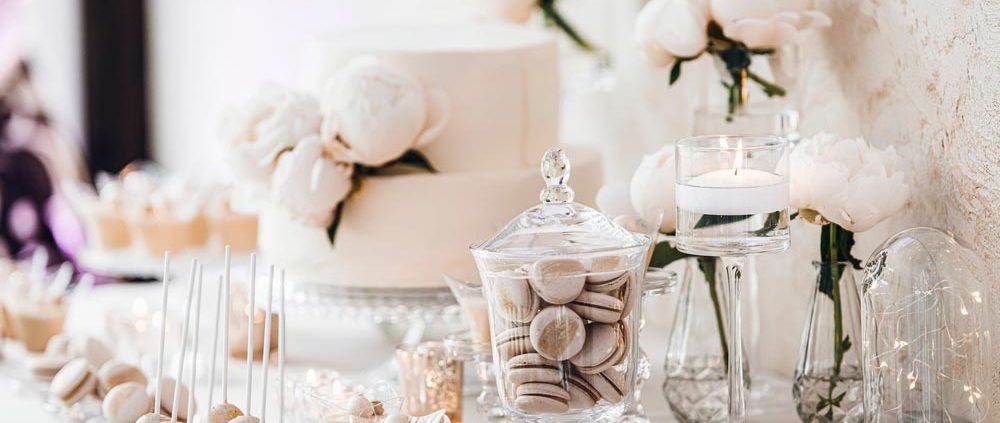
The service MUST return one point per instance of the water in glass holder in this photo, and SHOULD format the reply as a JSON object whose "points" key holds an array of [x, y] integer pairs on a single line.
{"points": [[732, 195]]}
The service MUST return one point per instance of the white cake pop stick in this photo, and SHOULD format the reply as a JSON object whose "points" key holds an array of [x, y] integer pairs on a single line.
{"points": [[281, 352], [184, 335], [83, 285], [194, 349], [250, 313], [163, 331], [220, 302], [225, 332], [39, 259], [264, 364], [59, 284]]}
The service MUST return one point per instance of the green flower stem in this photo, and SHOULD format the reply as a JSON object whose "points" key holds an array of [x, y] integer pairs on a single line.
{"points": [[552, 15], [770, 88], [832, 263]]}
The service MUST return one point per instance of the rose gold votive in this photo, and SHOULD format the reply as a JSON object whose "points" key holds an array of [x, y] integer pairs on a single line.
{"points": [[429, 380]]}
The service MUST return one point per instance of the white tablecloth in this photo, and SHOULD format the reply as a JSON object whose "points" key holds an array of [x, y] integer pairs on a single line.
{"points": [[347, 346]]}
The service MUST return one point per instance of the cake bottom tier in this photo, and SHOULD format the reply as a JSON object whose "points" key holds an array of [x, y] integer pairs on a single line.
{"points": [[405, 231]]}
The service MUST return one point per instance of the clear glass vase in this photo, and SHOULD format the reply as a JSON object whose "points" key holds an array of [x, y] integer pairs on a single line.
{"points": [[696, 386], [753, 112], [828, 376]]}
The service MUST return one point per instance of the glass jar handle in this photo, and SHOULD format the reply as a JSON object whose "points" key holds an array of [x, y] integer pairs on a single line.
{"points": [[555, 172]]}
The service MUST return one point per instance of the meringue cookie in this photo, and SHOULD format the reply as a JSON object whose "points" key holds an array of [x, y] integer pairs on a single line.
{"points": [[273, 121], [223, 413], [310, 181], [379, 111]]}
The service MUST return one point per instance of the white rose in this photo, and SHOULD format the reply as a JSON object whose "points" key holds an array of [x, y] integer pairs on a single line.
{"points": [[379, 111], [517, 11], [311, 180], [273, 121], [846, 181], [668, 29], [767, 23], [653, 187]]}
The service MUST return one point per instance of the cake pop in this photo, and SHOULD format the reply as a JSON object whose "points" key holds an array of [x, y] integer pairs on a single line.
{"points": [[155, 416], [223, 413]]}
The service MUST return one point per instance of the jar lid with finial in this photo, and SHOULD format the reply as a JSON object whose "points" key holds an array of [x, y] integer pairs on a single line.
{"points": [[558, 226]]}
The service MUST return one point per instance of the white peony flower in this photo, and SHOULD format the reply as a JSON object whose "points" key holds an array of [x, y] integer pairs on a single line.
{"points": [[766, 23], [653, 186], [516, 11], [846, 181], [379, 111], [613, 200], [273, 121], [311, 180], [668, 29]]}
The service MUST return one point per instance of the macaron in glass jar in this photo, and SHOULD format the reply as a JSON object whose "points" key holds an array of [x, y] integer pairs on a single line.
{"points": [[563, 283]]}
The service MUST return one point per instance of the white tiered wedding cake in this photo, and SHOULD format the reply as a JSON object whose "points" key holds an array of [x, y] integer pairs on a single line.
{"points": [[492, 109]]}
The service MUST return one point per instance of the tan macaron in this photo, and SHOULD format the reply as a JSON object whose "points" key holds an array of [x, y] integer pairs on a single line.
{"points": [[126, 403], [515, 300], [606, 346], [90, 348], [73, 382], [114, 373], [598, 307], [557, 333], [45, 367], [558, 281], [167, 399]]}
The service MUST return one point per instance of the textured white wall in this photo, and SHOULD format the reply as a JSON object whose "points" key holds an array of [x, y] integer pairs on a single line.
{"points": [[923, 76]]}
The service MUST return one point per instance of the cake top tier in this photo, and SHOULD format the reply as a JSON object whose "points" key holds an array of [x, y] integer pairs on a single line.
{"points": [[442, 38], [498, 87]]}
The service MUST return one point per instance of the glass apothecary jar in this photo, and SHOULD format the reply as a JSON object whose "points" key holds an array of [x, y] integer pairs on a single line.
{"points": [[563, 284], [925, 331]]}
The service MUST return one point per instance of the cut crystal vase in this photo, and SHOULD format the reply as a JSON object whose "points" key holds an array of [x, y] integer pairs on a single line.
{"points": [[828, 376]]}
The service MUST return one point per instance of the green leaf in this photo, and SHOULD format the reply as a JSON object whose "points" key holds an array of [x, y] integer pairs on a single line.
{"points": [[417, 159], [553, 16], [664, 253], [772, 222], [331, 231], [709, 220], [845, 344], [675, 71]]}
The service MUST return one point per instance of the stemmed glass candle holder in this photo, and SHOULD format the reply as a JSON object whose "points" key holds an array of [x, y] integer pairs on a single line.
{"points": [[732, 201]]}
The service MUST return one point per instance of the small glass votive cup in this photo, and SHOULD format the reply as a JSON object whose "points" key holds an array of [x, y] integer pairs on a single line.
{"points": [[732, 195], [430, 380]]}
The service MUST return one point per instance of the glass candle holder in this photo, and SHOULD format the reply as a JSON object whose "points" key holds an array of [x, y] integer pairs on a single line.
{"points": [[732, 201], [429, 380], [732, 195]]}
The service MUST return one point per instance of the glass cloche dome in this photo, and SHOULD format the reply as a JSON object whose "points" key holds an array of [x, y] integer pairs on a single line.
{"points": [[925, 331]]}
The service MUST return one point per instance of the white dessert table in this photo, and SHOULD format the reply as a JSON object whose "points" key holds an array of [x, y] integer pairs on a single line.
{"points": [[346, 346]]}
